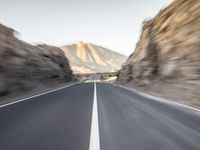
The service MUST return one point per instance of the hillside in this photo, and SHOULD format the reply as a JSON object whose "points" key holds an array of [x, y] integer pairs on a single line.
{"points": [[24, 66], [167, 57], [90, 58]]}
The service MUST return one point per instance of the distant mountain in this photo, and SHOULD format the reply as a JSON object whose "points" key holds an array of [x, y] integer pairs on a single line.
{"points": [[90, 58]]}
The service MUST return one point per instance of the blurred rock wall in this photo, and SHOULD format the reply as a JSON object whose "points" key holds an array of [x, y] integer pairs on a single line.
{"points": [[169, 46], [24, 66]]}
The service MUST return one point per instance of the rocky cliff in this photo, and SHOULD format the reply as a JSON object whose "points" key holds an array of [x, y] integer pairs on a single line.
{"points": [[168, 49], [90, 58], [24, 66]]}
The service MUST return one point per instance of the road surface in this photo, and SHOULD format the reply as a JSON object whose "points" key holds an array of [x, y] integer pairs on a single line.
{"points": [[97, 116]]}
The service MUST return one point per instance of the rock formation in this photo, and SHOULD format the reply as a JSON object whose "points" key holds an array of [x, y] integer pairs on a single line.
{"points": [[24, 66], [168, 48]]}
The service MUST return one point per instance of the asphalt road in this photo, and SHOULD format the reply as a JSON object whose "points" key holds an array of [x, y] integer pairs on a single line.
{"points": [[61, 120], [129, 121]]}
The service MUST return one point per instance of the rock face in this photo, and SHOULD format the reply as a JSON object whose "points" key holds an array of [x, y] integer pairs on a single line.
{"points": [[24, 66], [166, 61], [89, 58], [169, 46]]}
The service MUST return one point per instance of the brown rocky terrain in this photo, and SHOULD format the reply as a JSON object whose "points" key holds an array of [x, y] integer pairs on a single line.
{"points": [[24, 66], [90, 58], [166, 60]]}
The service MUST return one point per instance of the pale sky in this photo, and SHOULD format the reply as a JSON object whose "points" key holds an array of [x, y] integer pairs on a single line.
{"points": [[114, 24]]}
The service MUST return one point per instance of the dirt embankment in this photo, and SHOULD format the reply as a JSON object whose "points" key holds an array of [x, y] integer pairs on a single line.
{"points": [[24, 67]]}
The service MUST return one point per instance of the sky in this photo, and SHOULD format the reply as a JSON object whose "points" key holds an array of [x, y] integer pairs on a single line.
{"points": [[114, 24]]}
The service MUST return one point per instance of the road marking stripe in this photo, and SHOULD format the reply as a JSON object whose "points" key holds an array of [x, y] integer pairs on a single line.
{"points": [[94, 133], [20, 100], [158, 98]]}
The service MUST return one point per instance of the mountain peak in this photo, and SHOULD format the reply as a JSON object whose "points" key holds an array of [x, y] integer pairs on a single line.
{"points": [[80, 43], [89, 58]]}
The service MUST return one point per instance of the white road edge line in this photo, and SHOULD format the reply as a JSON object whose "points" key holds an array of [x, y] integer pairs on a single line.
{"points": [[158, 98], [20, 100], [94, 133]]}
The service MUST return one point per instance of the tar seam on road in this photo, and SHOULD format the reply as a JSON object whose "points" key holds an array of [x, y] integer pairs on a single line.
{"points": [[20, 100], [94, 133]]}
